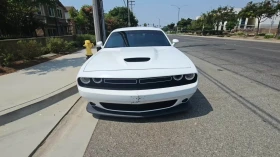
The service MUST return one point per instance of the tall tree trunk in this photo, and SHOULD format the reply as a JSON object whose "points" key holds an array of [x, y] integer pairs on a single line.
{"points": [[222, 28], [278, 30], [258, 29]]}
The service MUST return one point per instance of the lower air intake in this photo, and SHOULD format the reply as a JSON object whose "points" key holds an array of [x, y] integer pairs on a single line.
{"points": [[138, 107]]}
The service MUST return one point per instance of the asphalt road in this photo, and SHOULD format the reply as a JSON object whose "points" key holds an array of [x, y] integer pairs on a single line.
{"points": [[235, 112]]}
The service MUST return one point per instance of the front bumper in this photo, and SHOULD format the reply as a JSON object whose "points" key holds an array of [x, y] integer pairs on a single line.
{"points": [[103, 112], [139, 97]]}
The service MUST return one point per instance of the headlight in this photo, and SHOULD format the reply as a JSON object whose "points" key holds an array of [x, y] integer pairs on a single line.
{"points": [[97, 80], [85, 80], [178, 77], [189, 76]]}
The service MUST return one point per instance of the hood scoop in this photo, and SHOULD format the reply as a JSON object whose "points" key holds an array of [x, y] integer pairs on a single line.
{"points": [[138, 59]]}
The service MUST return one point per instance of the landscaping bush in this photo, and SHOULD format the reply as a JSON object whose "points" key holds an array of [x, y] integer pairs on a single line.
{"points": [[45, 50], [70, 45], [29, 49], [278, 38], [268, 36], [58, 45], [80, 39], [7, 55], [261, 34], [240, 33]]}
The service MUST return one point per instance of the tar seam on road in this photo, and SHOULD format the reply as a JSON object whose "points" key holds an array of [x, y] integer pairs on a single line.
{"points": [[37, 97], [43, 141], [276, 89], [247, 104]]}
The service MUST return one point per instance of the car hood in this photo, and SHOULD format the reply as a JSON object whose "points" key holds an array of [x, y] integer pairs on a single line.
{"points": [[137, 58]]}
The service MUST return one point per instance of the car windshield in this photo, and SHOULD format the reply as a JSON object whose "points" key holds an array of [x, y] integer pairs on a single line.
{"points": [[137, 38]]}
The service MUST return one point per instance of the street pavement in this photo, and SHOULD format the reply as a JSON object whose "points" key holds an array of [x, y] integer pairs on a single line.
{"points": [[235, 111]]}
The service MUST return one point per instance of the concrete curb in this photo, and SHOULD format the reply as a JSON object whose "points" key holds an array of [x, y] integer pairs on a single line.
{"points": [[37, 104], [227, 38], [50, 132]]}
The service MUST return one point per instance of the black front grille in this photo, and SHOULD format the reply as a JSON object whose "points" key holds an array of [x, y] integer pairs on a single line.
{"points": [[138, 84], [138, 107]]}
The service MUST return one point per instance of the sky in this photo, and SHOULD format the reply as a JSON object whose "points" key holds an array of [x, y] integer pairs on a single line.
{"points": [[150, 11]]}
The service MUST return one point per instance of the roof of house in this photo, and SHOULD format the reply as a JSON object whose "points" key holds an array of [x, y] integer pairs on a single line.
{"points": [[69, 7], [60, 4]]}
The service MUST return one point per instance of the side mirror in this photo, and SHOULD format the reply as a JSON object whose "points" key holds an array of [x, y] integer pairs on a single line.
{"points": [[174, 41], [99, 44]]}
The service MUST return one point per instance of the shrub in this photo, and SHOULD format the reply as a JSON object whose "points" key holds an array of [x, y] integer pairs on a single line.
{"points": [[70, 45], [45, 50], [261, 34], [80, 39], [240, 33], [6, 56], [198, 32], [29, 49], [268, 36], [278, 38], [56, 45]]}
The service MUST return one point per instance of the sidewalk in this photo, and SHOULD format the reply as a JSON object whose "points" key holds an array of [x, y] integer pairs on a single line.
{"points": [[234, 38], [21, 88]]}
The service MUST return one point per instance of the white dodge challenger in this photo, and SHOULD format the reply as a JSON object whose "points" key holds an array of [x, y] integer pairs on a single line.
{"points": [[137, 73]]}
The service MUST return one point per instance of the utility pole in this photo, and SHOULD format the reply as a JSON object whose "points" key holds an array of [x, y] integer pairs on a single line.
{"points": [[102, 20], [159, 22], [96, 21], [128, 13], [131, 4], [179, 9]]}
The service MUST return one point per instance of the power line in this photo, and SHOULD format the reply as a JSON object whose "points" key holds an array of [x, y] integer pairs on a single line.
{"points": [[124, 3], [131, 4]]}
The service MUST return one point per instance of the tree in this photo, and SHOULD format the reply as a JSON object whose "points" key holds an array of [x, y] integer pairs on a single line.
{"points": [[165, 28], [121, 14], [227, 14], [171, 26], [183, 23], [277, 10], [260, 10], [87, 12], [221, 15], [145, 25], [231, 24], [78, 19], [18, 16], [111, 23], [196, 25], [207, 21]]}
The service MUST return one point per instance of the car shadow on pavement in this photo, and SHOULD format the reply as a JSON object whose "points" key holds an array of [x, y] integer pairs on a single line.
{"points": [[54, 65], [199, 106]]}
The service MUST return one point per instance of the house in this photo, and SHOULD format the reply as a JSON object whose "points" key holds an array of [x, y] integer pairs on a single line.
{"points": [[270, 25], [54, 19], [71, 24]]}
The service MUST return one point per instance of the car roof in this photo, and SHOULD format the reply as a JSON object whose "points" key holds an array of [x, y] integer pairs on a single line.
{"points": [[136, 28]]}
